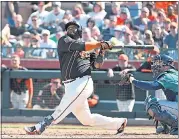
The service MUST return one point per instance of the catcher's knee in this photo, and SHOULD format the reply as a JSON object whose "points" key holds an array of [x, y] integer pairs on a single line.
{"points": [[152, 106]]}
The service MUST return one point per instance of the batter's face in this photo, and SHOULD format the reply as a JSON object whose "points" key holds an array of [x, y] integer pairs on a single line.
{"points": [[72, 29]]}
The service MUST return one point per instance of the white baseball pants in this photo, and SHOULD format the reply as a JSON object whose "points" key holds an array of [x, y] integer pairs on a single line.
{"points": [[75, 101]]}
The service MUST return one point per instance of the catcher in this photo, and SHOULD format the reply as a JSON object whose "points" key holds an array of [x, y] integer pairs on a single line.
{"points": [[76, 76], [166, 78]]}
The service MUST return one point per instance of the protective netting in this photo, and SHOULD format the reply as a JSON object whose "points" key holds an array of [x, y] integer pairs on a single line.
{"points": [[47, 94]]}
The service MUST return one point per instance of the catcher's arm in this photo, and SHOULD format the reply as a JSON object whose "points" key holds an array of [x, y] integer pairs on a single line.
{"points": [[146, 85]]}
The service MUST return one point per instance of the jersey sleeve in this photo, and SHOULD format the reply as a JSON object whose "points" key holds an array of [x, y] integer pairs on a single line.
{"points": [[66, 44], [147, 85]]}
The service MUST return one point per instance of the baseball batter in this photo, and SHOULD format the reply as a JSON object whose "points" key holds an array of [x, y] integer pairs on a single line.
{"points": [[76, 76], [166, 78]]}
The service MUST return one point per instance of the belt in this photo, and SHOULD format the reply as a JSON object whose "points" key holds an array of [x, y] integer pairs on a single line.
{"points": [[19, 93], [68, 81], [71, 80]]}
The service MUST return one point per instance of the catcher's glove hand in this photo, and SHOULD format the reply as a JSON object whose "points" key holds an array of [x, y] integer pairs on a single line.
{"points": [[106, 45], [125, 78]]}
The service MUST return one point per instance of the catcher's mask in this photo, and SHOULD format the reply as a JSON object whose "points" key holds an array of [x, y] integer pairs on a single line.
{"points": [[160, 61], [73, 30]]}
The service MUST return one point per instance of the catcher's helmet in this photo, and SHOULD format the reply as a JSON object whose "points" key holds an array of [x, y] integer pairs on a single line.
{"points": [[74, 30], [160, 61]]}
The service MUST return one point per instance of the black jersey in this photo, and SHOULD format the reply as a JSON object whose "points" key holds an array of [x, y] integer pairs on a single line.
{"points": [[72, 64]]}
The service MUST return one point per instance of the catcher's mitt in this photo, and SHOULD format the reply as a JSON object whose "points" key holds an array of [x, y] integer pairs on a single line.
{"points": [[125, 78]]}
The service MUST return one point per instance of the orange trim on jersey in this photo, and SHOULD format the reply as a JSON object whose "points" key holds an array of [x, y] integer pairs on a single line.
{"points": [[146, 70], [92, 45]]}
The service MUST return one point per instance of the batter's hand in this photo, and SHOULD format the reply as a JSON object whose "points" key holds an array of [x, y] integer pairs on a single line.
{"points": [[106, 45]]}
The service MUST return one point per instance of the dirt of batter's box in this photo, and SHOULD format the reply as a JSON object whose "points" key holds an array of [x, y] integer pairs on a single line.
{"points": [[13, 130]]}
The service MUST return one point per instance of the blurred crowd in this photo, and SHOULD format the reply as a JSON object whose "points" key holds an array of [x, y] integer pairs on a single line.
{"points": [[130, 23]]}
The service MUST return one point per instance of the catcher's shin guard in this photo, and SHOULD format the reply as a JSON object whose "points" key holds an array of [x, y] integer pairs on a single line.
{"points": [[174, 131], [163, 129], [165, 117], [169, 119]]}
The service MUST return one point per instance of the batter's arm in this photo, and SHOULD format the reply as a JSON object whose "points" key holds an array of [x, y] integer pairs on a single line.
{"points": [[66, 44]]}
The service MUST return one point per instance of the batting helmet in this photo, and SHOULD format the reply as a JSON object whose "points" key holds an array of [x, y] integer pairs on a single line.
{"points": [[74, 30]]}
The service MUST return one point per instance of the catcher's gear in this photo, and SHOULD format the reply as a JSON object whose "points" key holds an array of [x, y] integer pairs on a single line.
{"points": [[160, 61], [163, 129], [106, 45], [74, 30], [153, 108], [125, 78], [93, 100]]}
